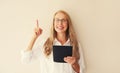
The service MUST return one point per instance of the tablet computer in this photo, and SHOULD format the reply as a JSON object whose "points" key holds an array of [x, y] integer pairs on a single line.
{"points": [[59, 52]]}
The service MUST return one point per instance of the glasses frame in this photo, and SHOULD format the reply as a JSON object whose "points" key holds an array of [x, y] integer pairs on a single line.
{"points": [[57, 20]]}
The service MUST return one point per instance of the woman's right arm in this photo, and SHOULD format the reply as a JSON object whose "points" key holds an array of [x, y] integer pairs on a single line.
{"points": [[27, 54], [36, 34]]}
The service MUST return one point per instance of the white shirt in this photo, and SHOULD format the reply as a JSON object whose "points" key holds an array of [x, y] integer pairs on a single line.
{"points": [[47, 65]]}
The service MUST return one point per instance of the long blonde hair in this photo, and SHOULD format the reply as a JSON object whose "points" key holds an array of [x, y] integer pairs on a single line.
{"points": [[69, 33]]}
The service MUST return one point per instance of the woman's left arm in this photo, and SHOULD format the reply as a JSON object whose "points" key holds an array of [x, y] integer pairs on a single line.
{"points": [[76, 67], [73, 62]]}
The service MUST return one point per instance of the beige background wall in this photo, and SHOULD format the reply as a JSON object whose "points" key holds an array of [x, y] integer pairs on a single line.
{"points": [[97, 23]]}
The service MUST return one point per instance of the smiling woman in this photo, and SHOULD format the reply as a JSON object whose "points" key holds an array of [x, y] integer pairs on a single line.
{"points": [[60, 23], [96, 22], [62, 34]]}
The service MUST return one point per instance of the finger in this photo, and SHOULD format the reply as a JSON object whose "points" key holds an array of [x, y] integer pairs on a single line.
{"points": [[69, 57], [37, 23]]}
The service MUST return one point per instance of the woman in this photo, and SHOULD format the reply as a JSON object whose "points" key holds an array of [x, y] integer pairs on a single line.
{"points": [[62, 33]]}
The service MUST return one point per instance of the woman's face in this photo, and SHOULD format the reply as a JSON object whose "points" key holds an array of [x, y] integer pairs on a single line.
{"points": [[60, 23]]}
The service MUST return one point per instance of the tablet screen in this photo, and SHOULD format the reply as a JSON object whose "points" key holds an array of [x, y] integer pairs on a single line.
{"points": [[59, 52]]}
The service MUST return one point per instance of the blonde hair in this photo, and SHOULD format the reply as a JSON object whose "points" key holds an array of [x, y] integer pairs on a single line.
{"points": [[69, 33]]}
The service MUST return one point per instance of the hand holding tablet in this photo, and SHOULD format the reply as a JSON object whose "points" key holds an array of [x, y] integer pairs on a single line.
{"points": [[59, 52]]}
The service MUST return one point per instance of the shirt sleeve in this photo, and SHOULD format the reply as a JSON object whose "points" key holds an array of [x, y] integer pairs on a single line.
{"points": [[26, 56], [81, 61], [35, 53]]}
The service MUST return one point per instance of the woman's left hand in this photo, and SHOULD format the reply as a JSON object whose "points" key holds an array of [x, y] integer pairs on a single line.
{"points": [[70, 60]]}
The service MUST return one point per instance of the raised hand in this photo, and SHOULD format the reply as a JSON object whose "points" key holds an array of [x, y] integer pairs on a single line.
{"points": [[37, 30]]}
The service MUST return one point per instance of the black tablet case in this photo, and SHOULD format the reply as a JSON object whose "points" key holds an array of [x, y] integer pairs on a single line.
{"points": [[59, 52]]}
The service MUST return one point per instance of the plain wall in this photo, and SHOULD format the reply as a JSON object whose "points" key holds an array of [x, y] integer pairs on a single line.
{"points": [[97, 24]]}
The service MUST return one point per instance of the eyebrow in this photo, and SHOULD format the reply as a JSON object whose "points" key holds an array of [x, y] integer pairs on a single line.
{"points": [[61, 18]]}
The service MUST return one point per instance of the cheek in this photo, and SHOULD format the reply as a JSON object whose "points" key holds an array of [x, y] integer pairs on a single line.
{"points": [[55, 24], [66, 26]]}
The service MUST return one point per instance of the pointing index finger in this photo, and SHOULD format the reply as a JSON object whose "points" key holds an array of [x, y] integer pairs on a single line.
{"points": [[37, 23]]}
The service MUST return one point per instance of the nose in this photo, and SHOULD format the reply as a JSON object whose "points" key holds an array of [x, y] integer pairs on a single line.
{"points": [[60, 22]]}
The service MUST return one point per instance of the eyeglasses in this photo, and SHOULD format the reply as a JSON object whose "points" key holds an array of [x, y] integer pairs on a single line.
{"points": [[62, 20]]}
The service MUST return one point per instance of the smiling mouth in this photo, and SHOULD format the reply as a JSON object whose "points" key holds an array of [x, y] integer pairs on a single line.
{"points": [[60, 28]]}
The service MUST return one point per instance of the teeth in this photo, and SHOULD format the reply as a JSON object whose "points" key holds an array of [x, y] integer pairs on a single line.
{"points": [[60, 27]]}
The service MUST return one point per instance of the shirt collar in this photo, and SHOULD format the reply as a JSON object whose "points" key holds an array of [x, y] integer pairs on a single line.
{"points": [[56, 42]]}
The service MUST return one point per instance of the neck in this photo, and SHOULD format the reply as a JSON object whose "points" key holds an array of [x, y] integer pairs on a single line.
{"points": [[62, 38]]}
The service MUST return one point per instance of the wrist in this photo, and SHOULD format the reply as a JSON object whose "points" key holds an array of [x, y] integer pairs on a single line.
{"points": [[34, 37], [75, 63], [76, 67]]}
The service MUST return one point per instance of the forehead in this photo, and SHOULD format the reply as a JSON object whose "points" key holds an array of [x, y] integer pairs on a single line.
{"points": [[60, 15]]}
